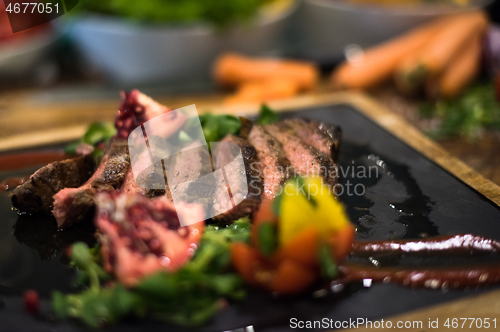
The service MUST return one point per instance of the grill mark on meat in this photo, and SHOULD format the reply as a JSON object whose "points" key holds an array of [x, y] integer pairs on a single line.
{"points": [[250, 203], [305, 159], [323, 137], [150, 176], [37, 194], [72, 205], [189, 165], [273, 164]]}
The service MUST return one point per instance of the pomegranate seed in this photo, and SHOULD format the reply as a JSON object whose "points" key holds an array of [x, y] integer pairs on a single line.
{"points": [[31, 301]]}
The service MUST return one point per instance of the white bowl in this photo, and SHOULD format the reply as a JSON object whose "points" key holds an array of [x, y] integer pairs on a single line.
{"points": [[132, 54], [326, 27]]}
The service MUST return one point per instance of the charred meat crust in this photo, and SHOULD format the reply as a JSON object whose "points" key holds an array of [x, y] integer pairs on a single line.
{"points": [[72, 205], [252, 200], [323, 137], [273, 164], [37, 194], [190, 165], [306, 160]]}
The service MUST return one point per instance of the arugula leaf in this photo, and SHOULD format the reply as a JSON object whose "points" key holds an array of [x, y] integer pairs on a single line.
{"points": [[87, 260], [268, 239], [80, 256], [327, 262], [213, 253], [267, 115], [60, 305], [187, 297], [97, 135], [216, 127], [303, 188], [277, 203], [99, 132]]}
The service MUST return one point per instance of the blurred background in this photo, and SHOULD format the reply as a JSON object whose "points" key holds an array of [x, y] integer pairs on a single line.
{"points": [[151, 43], [170, 48]]}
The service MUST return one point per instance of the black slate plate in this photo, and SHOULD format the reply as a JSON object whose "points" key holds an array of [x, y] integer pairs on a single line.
{"points": [[407, 196]]}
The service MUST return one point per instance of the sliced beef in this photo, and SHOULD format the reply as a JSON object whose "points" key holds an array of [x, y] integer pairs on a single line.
{"points": [[325, 138], [306, 160], [130, 186], [193, 164], [249, 203], [72, 205], [273, 164], [150, 180], [37, 194]]}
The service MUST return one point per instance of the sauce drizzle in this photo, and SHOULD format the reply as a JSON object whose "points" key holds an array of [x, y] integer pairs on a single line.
{"points": [[465, 244], [432, 277]]}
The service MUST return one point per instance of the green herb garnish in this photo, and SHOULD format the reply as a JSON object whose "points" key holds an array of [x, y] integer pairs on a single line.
{"points": [[188, 297], [98, 135], [327, 262], [267, 115], [216, 127], [467, 115], [268, 238]]}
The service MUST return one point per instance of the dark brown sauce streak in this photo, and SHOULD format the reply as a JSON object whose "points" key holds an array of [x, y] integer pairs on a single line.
{"points": [[466, 244], [453, 277], [432, 277]]}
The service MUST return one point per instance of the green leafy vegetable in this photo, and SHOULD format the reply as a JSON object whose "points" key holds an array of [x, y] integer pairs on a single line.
{"points": [[187, 297], [216, 127], [268, 239], [304, 190], [220, 13], [466, 115], [97, 135], [327, 263], [267, 115], [277, 204], [88, 263]]}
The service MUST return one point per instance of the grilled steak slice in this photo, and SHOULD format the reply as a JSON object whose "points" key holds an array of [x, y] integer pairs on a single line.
{"points": [[273, 164], [306, 160], [150, 180], [37, 194], [187, 166], [325, 138], [72, 205], [243, 204]]}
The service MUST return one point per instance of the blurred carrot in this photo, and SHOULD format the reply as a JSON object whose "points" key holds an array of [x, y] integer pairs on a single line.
{"points": [[460, 71], [437, 53], [378, 63], [233, 69], [262, 91]]}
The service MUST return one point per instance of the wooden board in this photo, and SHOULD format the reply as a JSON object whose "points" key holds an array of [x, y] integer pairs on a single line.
{"points": [[26, 125]]}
